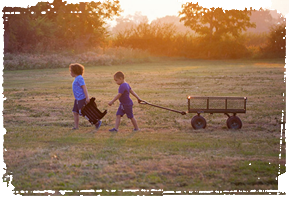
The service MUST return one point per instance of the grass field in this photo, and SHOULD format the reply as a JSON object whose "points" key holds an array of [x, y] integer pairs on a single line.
{"points": [[167, 155]]}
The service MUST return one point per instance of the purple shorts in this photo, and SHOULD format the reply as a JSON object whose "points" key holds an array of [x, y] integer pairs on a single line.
{"points": [[125, 109], [78, 104]]}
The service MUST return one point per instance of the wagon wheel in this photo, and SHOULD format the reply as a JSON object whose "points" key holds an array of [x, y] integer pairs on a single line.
{"points": [[234, 122], [198, 122]]}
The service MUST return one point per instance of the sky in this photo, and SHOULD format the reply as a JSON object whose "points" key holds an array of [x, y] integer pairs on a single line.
{"points": [[159, 8], [154, 9]]}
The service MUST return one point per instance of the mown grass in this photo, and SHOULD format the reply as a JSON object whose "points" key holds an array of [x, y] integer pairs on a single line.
{"points": [[43, 153]]}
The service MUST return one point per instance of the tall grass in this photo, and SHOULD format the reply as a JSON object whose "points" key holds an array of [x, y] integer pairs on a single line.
{"points": [[112, 56]]}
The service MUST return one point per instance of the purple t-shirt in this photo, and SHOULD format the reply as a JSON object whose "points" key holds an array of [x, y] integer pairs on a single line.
{"points": [[124, 89]]}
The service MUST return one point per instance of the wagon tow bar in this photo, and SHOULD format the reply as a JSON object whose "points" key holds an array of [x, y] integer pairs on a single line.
{"points": [[181, 112]]}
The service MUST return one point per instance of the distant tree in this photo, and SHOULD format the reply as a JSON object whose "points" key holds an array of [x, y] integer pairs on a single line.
{"points": [[264, 19], [74, 26], [277, 16], [214, 23], [24, 28], [128, 22], [180, 27], [276, 42], [156, 38]]}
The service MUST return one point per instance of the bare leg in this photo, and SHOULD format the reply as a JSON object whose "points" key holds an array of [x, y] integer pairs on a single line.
{"points": [[76, 120], [117, 121], [133, 120]]}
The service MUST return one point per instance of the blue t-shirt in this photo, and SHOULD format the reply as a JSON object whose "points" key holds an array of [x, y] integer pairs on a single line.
{"points": [[77, 89], [124, 89]]}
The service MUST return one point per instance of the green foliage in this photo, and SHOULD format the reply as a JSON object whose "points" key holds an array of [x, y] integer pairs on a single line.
{"points": [[215, 22], [59, 26], [276, 42], [163, 40], [226, 49], [156, 38], [217, 34], [80, 29]]}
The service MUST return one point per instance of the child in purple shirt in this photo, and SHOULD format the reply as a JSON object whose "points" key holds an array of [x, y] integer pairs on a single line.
{"points": [[126, 103]]}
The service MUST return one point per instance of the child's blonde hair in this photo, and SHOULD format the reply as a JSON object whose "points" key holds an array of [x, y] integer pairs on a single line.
{"points": [[76, 68]]}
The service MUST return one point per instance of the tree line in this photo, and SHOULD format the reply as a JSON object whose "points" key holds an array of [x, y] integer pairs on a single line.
{"points": [[215, 32], [57, 26]]}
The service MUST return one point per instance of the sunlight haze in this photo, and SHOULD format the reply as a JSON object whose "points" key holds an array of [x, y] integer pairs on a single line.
{"points": [[154, 9], [180, 58]]}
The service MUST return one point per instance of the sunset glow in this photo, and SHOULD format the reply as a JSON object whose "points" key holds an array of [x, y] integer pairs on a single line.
{"points": [[154, 9], [193, 93]]}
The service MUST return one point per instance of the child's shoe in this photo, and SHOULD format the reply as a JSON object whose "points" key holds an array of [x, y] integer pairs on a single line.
{"points": [[97, 125], [135, 130], [113, 130]]}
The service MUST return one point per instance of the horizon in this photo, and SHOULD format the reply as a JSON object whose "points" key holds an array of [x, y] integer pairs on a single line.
{"points": [[152, 9]]}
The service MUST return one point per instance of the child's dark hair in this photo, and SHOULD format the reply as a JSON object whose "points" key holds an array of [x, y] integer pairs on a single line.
{"points": [[119, 75], [76, 68]]}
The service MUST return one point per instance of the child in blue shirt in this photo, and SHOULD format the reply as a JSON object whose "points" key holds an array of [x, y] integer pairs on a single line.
{"points": [[80, 93], [126, 103]]}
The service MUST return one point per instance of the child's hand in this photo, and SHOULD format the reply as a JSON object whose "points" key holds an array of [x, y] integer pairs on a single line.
{"points": [[87, 100], [139, 100], [110, 103]]}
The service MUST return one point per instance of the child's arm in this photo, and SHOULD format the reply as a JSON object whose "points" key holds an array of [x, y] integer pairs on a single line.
{"points": [[135, 95], [85, 92], [115, 98]]}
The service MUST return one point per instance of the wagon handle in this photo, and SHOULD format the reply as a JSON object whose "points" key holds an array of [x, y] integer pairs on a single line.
{"points": [[145, 102], [142, 102]]}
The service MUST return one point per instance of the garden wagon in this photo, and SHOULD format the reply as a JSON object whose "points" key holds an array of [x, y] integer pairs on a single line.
{"points": [[226, 105]]}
